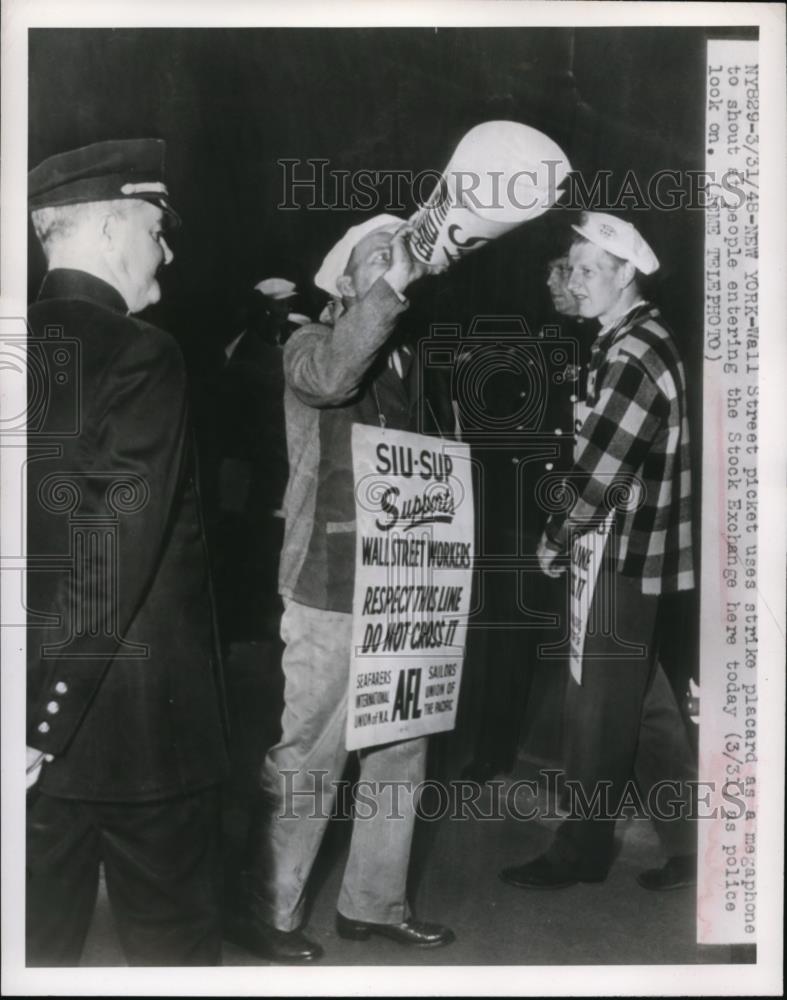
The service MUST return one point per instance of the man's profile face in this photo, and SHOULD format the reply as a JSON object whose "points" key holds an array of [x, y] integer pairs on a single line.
{"points": [[141, 251], [593, 280], [563, 301], [370, 259]]}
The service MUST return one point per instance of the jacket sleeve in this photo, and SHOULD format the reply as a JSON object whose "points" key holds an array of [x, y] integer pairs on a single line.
{"points": [[611, 446], [324, 366], [126, 481]]}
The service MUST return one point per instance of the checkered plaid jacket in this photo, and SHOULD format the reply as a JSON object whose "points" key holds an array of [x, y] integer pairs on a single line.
{"points": [[632, 454]]}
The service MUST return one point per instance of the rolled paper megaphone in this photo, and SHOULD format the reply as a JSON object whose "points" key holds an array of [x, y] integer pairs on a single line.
{"points": [[501, 175]]}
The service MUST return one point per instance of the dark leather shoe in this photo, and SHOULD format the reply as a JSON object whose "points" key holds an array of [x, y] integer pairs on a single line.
{"points": [[287, 947], [679, 872], [410, 932], [541, 873]]}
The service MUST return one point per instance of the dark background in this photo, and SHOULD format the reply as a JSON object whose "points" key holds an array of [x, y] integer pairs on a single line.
{"points": [[230, 103]]}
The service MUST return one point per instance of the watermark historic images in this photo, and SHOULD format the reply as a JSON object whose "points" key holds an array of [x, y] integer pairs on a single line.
{"points": [[315, 185]]}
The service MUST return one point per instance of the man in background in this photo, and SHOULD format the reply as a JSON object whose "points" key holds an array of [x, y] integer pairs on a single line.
{"points": [[253, 466], [515, 692]]}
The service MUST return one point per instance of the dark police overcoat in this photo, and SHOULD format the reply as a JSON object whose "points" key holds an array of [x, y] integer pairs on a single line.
{"points": [[124, 677]]}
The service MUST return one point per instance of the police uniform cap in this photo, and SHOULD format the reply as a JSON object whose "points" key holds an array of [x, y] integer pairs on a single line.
{"points": [[103, 171]]}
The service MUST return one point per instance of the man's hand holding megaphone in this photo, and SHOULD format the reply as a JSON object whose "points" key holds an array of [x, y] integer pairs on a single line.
{"points": [[404, 268]]}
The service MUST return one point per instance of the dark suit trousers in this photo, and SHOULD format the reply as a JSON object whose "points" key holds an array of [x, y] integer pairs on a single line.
{"points": [[624, 725], [162, 872]]}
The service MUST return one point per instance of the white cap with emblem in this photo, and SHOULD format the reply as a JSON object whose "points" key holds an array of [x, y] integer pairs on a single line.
{"points": [[619, 238]]}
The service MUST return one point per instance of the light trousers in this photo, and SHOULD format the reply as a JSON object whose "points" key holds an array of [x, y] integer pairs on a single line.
{"points": [[299, 781]]}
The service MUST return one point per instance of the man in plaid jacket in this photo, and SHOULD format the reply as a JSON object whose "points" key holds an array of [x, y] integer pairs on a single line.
{"points": [[627, 743]]}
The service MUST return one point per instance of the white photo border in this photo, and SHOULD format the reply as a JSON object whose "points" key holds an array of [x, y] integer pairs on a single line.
{"points": [[764, 978]]}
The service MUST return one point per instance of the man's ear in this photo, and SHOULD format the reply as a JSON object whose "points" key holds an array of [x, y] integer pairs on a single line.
{"points": [[346, 287], [108, 229], [626, 274]]}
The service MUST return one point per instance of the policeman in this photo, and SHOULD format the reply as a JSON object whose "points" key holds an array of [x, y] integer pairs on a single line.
{"points": [[126, 736]]}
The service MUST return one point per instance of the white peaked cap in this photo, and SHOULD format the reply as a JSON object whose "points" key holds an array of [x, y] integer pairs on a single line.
{"points": [[337, 258], [276, 288], [517, 171], [618, 237]]}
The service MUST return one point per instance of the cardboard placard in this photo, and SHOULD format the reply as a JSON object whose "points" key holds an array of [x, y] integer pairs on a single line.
{"points": [[414, 557]]}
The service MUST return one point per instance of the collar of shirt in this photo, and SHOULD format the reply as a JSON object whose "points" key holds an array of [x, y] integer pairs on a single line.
{"points": [[606, 334], [395, 359]]}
